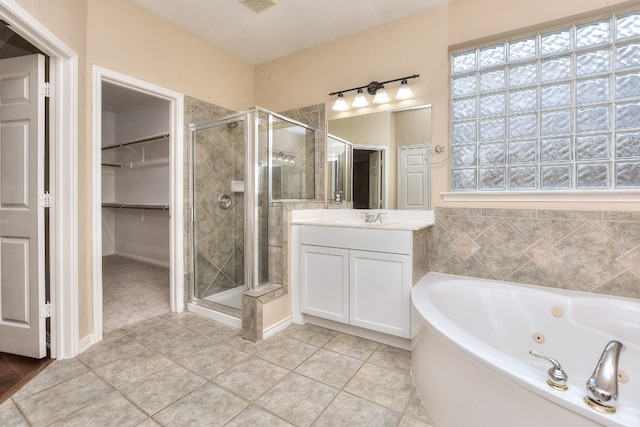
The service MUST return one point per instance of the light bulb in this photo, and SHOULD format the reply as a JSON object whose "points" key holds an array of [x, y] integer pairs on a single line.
{"points": [[340, 104], [360, 100], [404, 91], [381, 96]]}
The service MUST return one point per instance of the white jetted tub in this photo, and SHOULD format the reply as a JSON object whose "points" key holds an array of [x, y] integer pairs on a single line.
{"points": [[471, 361]]}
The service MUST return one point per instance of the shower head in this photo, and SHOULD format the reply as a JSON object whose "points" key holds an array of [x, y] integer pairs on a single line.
{"points": [[232, 125]]}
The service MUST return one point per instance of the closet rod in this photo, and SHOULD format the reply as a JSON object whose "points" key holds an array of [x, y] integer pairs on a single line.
{"points": [[132, 206], [138, 141]]}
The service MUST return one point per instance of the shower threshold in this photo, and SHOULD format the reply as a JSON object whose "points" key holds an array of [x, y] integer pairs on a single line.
{"points": [[230, 298]]}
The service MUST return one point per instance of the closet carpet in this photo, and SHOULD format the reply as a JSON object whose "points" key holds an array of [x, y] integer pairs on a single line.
{"points": [[132, 291]]}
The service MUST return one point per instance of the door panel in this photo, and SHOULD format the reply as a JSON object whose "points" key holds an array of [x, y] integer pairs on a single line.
{"points": [[22, 281], [413, 178]]}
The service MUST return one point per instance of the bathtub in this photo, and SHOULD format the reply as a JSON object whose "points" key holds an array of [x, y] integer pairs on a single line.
{"points": [[471, 362]]}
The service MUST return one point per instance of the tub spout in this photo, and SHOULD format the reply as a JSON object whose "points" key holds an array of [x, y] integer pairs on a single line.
{"points": [[602, 387]]}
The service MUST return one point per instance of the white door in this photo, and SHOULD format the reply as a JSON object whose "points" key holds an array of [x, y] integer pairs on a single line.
{"points": [[22, 279], [413, 177], [375, 184]]}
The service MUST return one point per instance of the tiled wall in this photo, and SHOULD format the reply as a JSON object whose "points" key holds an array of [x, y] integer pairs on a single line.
{"points": [[592, 251]]}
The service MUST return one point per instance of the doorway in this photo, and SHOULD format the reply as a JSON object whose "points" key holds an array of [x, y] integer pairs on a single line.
{"points": [[137, 211], [62, 221], [368, 178]]}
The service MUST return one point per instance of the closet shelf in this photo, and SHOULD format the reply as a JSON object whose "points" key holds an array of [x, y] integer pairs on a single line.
{"points": [[113, 165], [138, 141], [136, 206]]}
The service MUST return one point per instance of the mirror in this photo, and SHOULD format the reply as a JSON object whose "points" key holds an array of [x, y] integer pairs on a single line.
{"points": [[376, 139], [339, 161]]}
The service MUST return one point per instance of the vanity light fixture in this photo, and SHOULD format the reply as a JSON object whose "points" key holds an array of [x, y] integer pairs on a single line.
{"points": [[374, 88], [404, 91], [340, 104], [381, 96], [360, 100]]}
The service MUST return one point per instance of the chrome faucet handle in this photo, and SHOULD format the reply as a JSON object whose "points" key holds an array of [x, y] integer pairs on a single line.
{"points": [[379, 216], [369, 217], [557, 377]]}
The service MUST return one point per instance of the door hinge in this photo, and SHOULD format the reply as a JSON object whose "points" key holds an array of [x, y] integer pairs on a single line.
{"points": [[45, 310], [44, 201], [45, 89]]}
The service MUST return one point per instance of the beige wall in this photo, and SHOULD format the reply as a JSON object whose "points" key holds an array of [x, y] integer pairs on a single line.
{"points": [[122, 37], [417, 44]]}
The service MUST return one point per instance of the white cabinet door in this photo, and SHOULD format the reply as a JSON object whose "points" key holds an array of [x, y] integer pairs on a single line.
{"points": [[324, 282], [380, 292]]}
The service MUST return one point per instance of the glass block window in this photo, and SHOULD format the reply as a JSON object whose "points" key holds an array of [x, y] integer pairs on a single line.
{"points": [[557, 110]]}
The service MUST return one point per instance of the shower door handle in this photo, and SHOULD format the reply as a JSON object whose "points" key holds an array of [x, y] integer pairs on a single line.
{"points": [[224, 201]]}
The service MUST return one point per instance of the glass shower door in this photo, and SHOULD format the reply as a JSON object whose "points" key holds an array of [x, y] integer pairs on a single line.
{"points": [[218, 201]]}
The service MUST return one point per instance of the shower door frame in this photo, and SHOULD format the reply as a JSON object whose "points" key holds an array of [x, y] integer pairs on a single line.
{"points": [[250, 203]]}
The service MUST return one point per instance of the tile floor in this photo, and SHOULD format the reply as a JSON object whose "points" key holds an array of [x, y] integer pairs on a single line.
{"points": [[185, 370]]}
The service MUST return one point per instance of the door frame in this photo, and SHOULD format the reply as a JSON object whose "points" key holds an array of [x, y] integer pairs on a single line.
{"points": [[176, 192], [63, 176]]}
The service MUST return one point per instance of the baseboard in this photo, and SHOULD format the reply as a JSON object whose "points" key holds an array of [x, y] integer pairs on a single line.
{"points": [[143, 259], [86, 342], [277, 327], [225, 319]]}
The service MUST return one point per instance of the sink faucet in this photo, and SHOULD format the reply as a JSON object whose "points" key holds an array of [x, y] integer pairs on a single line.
{"points": [[602, 387], [369, 217]]}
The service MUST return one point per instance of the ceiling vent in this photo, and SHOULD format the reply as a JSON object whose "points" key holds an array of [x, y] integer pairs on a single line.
{"points": [[259, 6]]}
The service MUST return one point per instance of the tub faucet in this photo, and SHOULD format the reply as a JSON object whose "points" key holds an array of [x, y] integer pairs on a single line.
{"points": [[602, 387]]}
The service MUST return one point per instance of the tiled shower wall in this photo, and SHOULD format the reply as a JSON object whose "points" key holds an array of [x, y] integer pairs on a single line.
{"points": [[592, 251]]}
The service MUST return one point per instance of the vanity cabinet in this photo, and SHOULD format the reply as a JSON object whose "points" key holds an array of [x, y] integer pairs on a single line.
{"points": [[325, 277], [361, 277]]}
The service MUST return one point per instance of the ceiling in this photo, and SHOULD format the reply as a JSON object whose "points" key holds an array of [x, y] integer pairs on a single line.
{"points": [[286, 28]]}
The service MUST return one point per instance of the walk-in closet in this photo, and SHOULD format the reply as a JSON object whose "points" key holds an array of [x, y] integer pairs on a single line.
{"points": [[135, 206]]}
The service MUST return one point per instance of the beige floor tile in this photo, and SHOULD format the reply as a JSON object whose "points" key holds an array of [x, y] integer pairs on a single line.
{"points": [[416, 409], [123, 372], [382, 386], [408, 421], [208, 405], [201, 325], [352, 346], [251, 378], [182, 345], [109, 350], [331, 368], [149, 422], [159, 390], [297, 399], [11, 416], [284, 351], [112, 410], [213, 361], [57, 372], [311, 334], [59, 401], [254, 416], [351, 411], [392, 358], [159, 332]]}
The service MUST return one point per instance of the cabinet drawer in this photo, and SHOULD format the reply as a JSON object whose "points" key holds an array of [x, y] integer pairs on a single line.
{"points": [[391, 241]]}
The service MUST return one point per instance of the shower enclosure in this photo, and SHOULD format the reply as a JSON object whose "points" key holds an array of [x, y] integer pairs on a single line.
{"points": [[243, 165]]}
